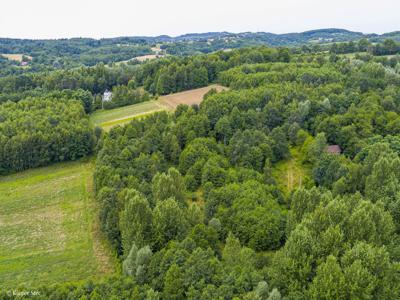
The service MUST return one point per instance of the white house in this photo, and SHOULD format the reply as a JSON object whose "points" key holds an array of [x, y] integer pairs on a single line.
{"points": [[107, 96]]}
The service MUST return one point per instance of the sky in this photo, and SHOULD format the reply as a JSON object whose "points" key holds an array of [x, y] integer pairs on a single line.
{"points": [[100, 18]]}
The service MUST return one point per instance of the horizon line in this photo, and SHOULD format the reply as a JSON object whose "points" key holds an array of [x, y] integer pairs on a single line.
{"points": [[194, 33]]}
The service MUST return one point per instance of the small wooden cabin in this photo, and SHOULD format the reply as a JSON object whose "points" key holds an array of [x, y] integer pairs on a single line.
{"points": [[333, 149]]}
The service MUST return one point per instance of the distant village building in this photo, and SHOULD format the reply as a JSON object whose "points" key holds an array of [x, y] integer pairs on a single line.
{"points": [[107, 96], [333, 149]]}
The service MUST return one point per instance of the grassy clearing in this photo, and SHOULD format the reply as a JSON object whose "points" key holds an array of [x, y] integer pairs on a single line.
{"points": [[124, 114], [291, 173], [48, 227], [108, 125], [119, 116]]}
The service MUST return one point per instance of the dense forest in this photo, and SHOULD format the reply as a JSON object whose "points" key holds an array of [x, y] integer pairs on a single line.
{"points": [[224, 151], [38, 131], [47, 55], [189, 201]]}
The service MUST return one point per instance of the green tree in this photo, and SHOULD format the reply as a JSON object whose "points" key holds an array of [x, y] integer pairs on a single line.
{"points": [[109, 215], [329, 282], [317, 148], [261, 290], [169, 222], [173, 284], [169, 185], [280, 146], [135, 221], [274, 295], [137, 262], [231, 250], [214, 171]]}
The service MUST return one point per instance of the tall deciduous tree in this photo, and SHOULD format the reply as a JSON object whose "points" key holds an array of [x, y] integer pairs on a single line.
{"points": [[169, 185], [135, 221], [169, 222]]}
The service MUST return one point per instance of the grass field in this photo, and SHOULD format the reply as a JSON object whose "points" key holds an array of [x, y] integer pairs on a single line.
{"points": [[119, 116], [48, 227], [291, 173]]}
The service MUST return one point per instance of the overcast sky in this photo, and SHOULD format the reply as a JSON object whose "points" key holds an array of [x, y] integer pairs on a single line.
{"points": [[111, 18]]}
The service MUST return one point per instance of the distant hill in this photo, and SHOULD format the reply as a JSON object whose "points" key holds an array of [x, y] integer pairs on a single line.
{"points": [[272, 39], [74, 52], [328, 35]]}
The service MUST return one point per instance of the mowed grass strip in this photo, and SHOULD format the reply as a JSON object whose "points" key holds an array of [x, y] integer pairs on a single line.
{"points": [[108, 125], [104, 117], [47, 219]]}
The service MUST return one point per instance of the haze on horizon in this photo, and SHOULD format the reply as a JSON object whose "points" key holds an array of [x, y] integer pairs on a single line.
{"points": [[101, 19]]}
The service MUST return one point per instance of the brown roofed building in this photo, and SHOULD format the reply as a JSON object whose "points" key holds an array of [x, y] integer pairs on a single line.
{"points": [[333, 149]]}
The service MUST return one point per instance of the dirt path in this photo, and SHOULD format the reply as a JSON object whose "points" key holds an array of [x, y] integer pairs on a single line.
{"points": [[291, 173], [294, 175], [290, 176]]}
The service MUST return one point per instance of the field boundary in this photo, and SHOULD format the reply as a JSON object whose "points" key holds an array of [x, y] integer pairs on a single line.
{"points": [[101, 249]]}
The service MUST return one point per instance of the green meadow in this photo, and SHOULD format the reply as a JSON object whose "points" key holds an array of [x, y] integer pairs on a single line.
{"points": [[118, 116], [48, 227]]}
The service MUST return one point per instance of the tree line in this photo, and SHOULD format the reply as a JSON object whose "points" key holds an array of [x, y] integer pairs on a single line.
{"points": [[387, 47], [37, 132]]}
